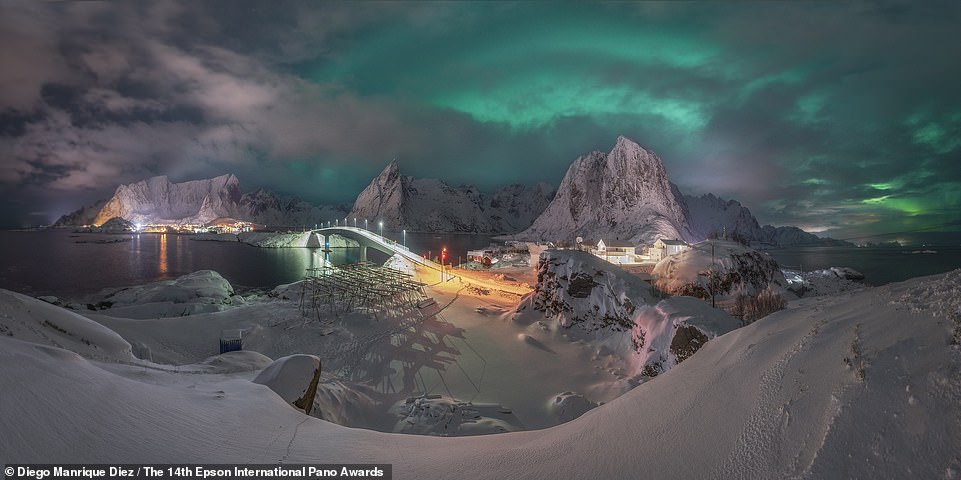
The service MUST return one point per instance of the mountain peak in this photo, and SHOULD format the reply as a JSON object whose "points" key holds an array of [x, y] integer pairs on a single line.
{"points": [[624, 143]]}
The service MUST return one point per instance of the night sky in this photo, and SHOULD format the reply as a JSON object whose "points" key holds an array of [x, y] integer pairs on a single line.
{"points": [[839, 117]]}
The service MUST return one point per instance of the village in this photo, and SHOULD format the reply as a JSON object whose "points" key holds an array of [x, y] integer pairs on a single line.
{"points": [[618, 252]]}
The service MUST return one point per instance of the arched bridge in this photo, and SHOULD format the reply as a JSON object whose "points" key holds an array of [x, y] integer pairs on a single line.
{"points": [[368, 239]]}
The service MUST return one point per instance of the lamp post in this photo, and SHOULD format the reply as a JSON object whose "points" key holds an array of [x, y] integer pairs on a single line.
{"points": [[381, 224], [355, 222], [405, 237], [365, 224]]}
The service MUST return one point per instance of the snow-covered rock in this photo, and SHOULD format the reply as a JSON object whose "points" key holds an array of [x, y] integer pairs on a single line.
{"points": [[36, 321], [401, 263], [569, 405], [584, 294], [430, 205], [588, 300], [445, 416], [294, 378], [737, 270], [158, 200], [829, 281], [621, 194], [198, 292]]}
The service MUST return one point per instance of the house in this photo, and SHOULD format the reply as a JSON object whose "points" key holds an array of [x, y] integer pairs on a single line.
{"points": [[615, 251], [665, 248]]}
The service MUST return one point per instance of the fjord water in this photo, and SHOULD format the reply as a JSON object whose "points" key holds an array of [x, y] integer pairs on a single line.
{"points": [[66, 264], [880, 265], [58, 262]]}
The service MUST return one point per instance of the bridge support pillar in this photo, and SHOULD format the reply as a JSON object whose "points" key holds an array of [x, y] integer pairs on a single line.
{"points": [[363, 253]]}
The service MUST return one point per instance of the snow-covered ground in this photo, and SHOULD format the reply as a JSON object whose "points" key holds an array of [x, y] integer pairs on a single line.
{"points": [[859, 385]]}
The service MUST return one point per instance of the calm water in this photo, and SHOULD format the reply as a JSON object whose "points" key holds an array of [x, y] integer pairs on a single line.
{"points": [[70, 264], [879, 265]]}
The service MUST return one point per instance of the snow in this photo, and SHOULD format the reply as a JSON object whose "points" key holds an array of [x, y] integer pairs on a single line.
{"points": [[740, 270], [158, 200], [198, 292], [849, 386], [624, 194], [291, 377], [430, 205], [829, 281], [581, 298], [36, 321]]}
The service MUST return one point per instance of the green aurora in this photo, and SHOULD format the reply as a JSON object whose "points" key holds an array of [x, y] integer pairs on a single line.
{"points": [[843, 119]]}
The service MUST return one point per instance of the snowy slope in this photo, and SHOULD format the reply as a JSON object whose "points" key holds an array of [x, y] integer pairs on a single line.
{"points": [[853, 386], [622, 194], [430, 205]]}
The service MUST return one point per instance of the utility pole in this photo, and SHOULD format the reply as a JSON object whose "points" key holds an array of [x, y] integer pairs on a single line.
{"points": [[713, 276]]}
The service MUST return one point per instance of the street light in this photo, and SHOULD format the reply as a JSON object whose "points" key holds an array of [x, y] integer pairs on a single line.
{"points": [[381, 223], [355, 222], [405, 237], [365, 224]]}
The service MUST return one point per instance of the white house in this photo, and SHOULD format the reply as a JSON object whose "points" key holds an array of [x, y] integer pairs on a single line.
{"points": [[615, 251], [665, 248]]}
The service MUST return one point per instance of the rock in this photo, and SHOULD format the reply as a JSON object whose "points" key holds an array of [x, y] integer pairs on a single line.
{"points": [[294, 378]]}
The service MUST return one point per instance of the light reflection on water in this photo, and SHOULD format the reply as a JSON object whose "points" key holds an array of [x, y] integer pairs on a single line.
{"points": [[67, 264]]}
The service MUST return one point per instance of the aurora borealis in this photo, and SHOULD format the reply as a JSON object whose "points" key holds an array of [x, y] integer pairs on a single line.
{"points": [[842, 118]]}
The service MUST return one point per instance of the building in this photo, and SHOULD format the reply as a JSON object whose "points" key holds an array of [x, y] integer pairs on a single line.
{"points": [[665, 248], [615, 251]]}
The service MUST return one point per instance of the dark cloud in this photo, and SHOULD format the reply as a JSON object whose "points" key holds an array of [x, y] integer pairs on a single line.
{"points": [[838, 117]]}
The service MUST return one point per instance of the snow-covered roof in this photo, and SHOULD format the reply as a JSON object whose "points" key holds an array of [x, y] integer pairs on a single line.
{"points": [[618, 243], [672, 242]]}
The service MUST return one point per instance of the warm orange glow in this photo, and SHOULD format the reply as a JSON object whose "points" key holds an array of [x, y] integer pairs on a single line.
{"points": [[163, 254]]}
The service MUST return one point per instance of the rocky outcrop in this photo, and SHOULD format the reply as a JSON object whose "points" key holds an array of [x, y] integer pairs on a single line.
{"points": [[720, 268]]}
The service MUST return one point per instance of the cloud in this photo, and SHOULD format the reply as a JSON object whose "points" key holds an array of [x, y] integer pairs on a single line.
{"points": [[793, 109]]}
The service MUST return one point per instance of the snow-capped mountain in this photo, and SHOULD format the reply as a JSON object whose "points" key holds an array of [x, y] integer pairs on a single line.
{"points": [[158, 200], [430, 205], [622, 194], [626, 195], [709, 215]]}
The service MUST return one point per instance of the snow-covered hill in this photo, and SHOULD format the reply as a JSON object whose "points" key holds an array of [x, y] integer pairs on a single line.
{"points": [[862, 385], [622, 194], [735, 269], [157, 200], [430, 205], [585, 299]]}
